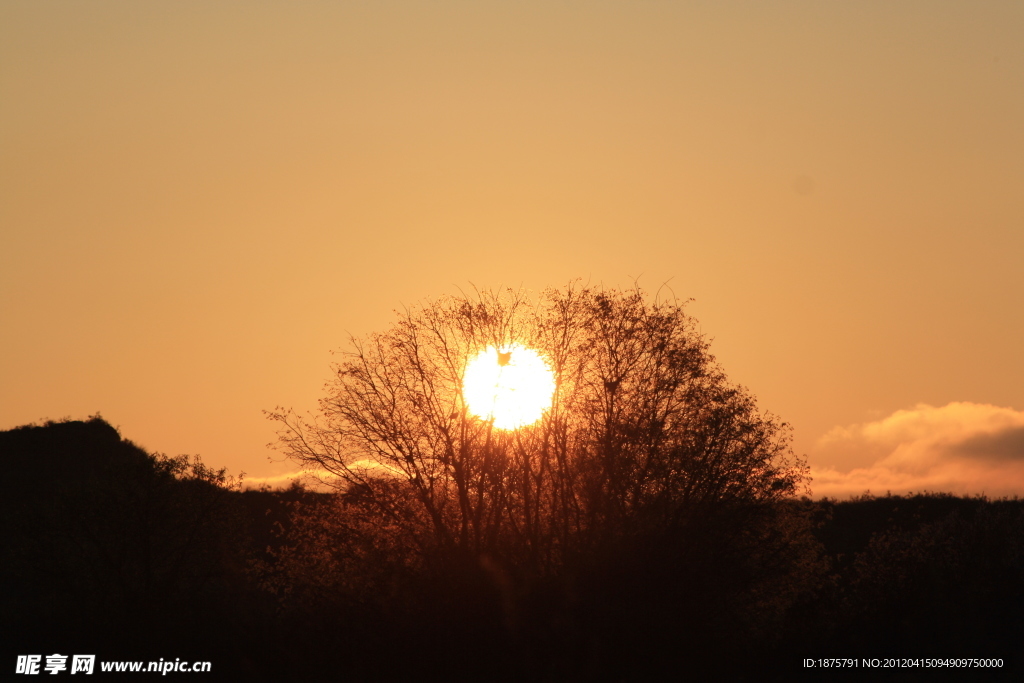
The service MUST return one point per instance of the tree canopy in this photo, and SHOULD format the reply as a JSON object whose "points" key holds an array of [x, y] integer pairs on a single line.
{"points": [[644, 430]]}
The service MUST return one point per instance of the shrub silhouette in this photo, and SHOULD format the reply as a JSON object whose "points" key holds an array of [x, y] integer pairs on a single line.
{"points": [[946, 584]]}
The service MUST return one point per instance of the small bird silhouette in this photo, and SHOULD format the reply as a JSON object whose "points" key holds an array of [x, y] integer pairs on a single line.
{"points": [[504, 358]]}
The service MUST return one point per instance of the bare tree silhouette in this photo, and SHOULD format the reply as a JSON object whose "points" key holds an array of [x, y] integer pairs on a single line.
{"points": [[644, 431]]}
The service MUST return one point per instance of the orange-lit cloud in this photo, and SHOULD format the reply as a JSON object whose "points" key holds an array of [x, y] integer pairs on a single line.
{"points": [[962, 448], [319, 480]]}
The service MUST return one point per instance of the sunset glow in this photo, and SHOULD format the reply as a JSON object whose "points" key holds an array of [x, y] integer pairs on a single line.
{"points": [[838, 191], [512, 385]]}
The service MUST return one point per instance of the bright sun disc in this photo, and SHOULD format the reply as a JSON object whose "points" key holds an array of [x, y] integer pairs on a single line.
{"points": [[512, 385]]}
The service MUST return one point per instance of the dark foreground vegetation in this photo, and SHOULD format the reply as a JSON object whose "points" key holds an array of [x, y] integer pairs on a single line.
{"points": [[110, 550]]}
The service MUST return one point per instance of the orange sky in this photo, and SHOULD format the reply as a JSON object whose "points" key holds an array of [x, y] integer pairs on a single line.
{"points": [[198, 200]]}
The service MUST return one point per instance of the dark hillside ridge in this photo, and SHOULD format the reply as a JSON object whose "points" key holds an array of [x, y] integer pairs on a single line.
{"points": [[108, 548], [67, 451]]}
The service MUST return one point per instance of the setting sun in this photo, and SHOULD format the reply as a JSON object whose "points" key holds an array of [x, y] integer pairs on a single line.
{"points": [[512, 385]]}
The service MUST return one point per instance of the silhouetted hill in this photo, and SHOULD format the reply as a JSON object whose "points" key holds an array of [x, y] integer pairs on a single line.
{"points": [[106, 547], [61, 452]]}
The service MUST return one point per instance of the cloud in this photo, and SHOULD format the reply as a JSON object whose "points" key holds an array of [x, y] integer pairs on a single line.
{"points": [[1005, 445], [319, 480], [962, 448]]}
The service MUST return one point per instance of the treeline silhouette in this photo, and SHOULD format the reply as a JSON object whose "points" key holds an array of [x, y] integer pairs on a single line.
{"points": [[110, 550]]}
